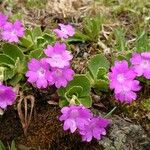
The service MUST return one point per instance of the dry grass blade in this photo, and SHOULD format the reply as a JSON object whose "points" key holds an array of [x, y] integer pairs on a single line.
{"points": [[23, 115]]}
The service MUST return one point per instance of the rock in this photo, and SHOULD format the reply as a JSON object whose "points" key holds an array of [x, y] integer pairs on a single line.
{"points": [[125, 135]]}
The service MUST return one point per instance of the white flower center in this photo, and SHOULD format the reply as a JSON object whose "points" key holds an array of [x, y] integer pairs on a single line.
{"points": [[13, 32], [145, 63], [120, 78], [58, 73], [41, 72], [74, 113], [64, 30], [57, 58]]}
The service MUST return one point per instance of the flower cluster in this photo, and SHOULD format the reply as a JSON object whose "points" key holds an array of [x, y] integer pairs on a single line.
{"points": [[7, 96], [141, 64], [81, 119], [10, 32], [122, 77], [65, 31], [53, 69], [122, 80]]}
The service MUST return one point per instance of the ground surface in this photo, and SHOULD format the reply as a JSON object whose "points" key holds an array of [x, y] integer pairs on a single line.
{"points": [[130, 129]]}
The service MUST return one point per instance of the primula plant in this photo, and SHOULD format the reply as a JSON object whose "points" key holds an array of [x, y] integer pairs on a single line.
{"points": [[97, 71], [122, 80], [7, 96], [37, 59], [81, 119]]}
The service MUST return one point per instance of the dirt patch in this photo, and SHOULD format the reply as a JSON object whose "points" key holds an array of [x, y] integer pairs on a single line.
{"points": [[45, 131]]}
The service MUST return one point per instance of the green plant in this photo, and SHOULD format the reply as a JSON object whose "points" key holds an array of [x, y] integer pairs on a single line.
{"points": [[146, 104], [97, 72], [77, 92], [11, 147], [91, 30], [35, 3], [14, 57], [121, 44], [34, 41], [143, 41], [13, 63]]}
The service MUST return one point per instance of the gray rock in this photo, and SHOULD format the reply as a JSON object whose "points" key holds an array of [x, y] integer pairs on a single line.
{"points": [[125, 135]]}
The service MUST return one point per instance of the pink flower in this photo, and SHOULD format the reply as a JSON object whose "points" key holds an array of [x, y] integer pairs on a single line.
{"points": [[39, 73], [127, 92], [65, 31], [58, 55], [141, 64], [3, 20], [95, 128], [122, 81], [7, 96], [75, 117], [146, 55], [81, 119], [12, 31], [62, 76]]}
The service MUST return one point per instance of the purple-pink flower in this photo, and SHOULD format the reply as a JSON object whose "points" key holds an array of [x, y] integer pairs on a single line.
{"points": [[58, 55], [65, 31], [122, 81], [3, 20], [141, 64], [62, 76], [7, 96], [39, 73], [95, 128], [12, 31], [75, 117], [81, 119]]}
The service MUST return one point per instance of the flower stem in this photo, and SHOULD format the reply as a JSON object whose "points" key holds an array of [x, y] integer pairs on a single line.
{"points": [[108, 114]]}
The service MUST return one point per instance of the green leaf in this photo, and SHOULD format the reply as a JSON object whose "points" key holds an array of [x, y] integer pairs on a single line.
{"points": [[36, 32], [78, 87], [49, 38], [126, 56], [16, 79], [36, 54], [5, 59], [9, 73], [86, 101], [20, 66], [13, 51], [2, 146], [78, 37], [75, 90], [102, 73], [63, 102], [101, 86], [90, 78], [120, 39], [13, 147], [40, 41], [142, 41], [121, 57], [92, 27], [79, 80], [26, 42], [95, 63]]}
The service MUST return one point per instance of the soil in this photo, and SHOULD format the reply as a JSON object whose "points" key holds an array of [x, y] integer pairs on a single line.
{"points": [[45, 131]]}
